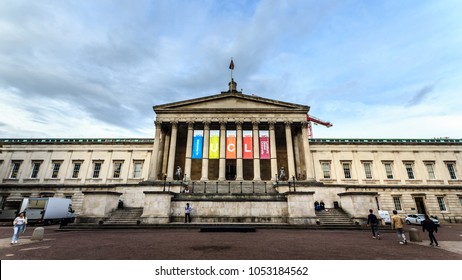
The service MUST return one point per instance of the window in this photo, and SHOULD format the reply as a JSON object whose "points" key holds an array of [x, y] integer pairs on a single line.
{"points": [[397, 202], [460, 200], [137, 168], [430, 170], [346, 170], [35, 169], [326, 169], [76, 170], [15, 169], [117, 169], [56, 167], [409, 170], [388, 170], [452, 170], [96, 169], [368, 169], [441, 203]]}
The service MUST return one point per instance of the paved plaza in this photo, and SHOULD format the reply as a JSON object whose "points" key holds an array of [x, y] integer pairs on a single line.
{"points": [[264, 244]]}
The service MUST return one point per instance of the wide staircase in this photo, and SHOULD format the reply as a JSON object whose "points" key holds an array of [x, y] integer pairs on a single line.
{"points": [[334, 217], [125, 216]]}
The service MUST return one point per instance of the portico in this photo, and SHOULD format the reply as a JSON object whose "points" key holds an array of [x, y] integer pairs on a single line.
{"points": [[231, 136]]}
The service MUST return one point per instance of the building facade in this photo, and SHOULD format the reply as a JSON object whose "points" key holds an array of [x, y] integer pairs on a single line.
{"points": [[241, 158]]}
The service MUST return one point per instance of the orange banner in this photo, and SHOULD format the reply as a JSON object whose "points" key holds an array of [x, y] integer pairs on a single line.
{"points": [[231, 144]]}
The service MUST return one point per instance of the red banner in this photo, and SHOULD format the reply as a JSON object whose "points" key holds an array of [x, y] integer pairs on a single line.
{"points": [[247, 151], [264, 144]]}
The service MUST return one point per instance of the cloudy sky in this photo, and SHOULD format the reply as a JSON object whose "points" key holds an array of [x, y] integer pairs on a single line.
{"points": [[87, 69]]}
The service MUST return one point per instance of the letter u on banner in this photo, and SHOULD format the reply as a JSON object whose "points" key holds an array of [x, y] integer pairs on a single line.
{"points": [[214, 150], [264, 144], [198, 141], [247, 144], [231, 144]]}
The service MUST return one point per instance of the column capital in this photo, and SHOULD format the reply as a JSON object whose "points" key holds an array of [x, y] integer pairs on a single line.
{"points": [[157, 123], [239, 124], [255, 124], [190, 124], [206, 124], [271, 124], [223, 124], [287, 123], [174, 123]]}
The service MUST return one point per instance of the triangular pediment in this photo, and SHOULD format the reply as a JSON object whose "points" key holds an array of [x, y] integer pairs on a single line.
{"points": [[230, 101]]}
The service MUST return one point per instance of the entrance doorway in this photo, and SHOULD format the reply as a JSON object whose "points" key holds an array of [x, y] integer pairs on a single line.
{"points": [[230, 169], [419, 203]]}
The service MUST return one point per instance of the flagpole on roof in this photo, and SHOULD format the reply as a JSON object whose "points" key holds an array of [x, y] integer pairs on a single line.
{"points": [[231, 66]]}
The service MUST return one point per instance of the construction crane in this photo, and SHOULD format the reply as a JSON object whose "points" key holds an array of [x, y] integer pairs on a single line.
{"points": [[316, 121]]}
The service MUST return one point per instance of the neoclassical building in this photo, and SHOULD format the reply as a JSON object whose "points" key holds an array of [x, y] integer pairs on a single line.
{"points": [[236, 158]]}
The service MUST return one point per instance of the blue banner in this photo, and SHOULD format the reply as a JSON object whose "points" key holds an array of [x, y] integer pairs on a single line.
{"points": [[198, 141]]}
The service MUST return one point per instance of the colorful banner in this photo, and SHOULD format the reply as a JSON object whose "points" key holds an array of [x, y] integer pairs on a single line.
{"points": [[264, 144], [214, 150], [247, 145], [198, 141], [231, 144]]}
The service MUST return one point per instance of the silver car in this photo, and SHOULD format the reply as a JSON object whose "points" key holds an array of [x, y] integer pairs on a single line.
{"points": [[417, 219]]}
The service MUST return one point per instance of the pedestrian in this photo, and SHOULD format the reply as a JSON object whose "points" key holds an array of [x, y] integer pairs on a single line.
{"points": [[430, 226], [397, 223], [322, 205], [374, 223], [19, 224], [187, 213]]}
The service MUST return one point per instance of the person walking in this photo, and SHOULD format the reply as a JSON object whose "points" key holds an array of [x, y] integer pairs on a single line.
{"points": [[187, 213], [374, 223], [397, 223], [430, 227], [19, 225]]}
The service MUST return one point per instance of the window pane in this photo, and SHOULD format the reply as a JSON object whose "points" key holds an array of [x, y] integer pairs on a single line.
{"points": [[117, 168], [388, 170], [326, 170], [452, 171], [441, 203], [346, 170], [56, 166], [96, 170], [368, 170], [35, 169], [409, 170], [15, 170], [430, 171], [137, 170], [397, 202], [75, 173]]}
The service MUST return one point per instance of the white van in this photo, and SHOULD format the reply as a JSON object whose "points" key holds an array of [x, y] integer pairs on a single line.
{"points": [[385, 215]]}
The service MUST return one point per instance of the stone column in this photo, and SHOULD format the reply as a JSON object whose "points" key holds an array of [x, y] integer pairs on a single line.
{"points": [[298, 169], [309, 171], [205, 152], [187, 163], [165, 153], [222, 164], [172, 150], [256, 154], [290, 151], [274, 161], [155, 153], [239, 165]]}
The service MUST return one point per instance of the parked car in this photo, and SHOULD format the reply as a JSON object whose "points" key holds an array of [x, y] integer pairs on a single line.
{"points": [[417, 219]]}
